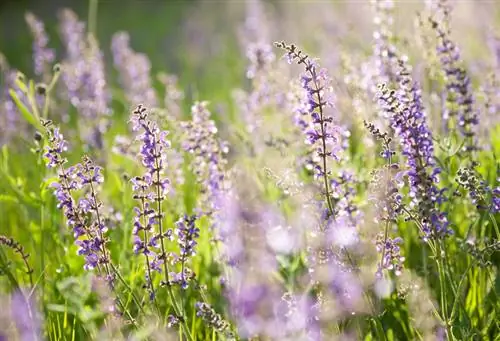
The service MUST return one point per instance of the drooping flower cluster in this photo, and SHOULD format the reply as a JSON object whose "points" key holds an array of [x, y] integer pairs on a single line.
{"points": [[212, 319], [134, 71], [150, 190], [84, 78], [460, 111], [483, 196], [43, 56], [83, 216], [408, 119]]}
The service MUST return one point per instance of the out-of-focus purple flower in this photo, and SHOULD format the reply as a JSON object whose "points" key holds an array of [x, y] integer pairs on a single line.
{"points": [[11, 123], [43, 56], [254, 296], [385, 54], [84, 78], [134, 71], [387, 202], [26, 317], [173, 96], [201, 141], [212, 319], [260, 56], [460, 112], [172, 321]]}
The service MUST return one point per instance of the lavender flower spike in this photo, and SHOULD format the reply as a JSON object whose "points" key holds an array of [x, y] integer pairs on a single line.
{"points": [[150, 190], [134, 69], [43, 56], [460, 109], [84, 77], [408, 119], [208, 151], [83, 216], [321, 131]]}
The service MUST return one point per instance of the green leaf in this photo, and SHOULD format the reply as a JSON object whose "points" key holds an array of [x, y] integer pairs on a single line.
{"points": [[8, 198], [28, 116]]}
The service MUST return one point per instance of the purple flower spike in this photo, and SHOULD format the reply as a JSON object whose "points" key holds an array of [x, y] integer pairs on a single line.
{"points": [[83, 75], [83, 216], [319, 128], [460, 112], [208, 152], [408, 119], [42, 55], [150, 191], [134, 69]]}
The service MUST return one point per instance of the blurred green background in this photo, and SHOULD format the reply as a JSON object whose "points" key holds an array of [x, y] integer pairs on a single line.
{"points": [[172, 33]]}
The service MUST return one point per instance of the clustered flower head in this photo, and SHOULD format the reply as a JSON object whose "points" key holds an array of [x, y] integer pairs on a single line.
{"points": [[83, 215], [408, 119], [134, 69]]}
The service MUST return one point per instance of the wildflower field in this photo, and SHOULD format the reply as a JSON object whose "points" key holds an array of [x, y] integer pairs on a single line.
{"points": [[270, 170]]}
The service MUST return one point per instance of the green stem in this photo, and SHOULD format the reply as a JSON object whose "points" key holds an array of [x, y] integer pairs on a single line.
{"points": [[443, 296], [92, 17], [159, 198]]}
